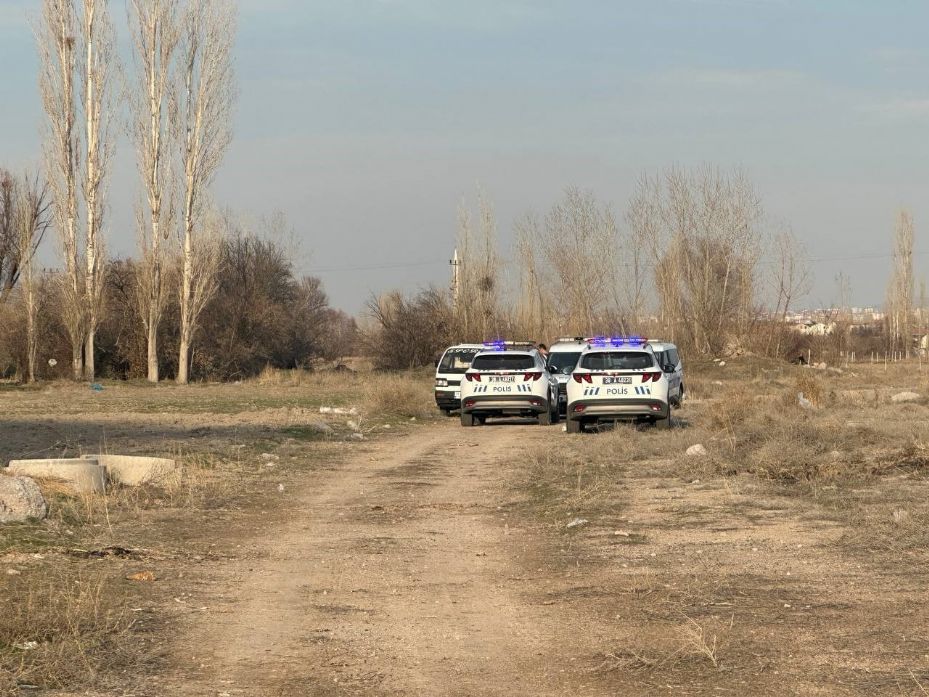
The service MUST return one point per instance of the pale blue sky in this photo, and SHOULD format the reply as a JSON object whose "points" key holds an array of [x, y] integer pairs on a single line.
{"points": [[366, 121]]}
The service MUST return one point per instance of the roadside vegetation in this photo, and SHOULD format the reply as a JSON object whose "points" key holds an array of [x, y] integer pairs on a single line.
{"points": [[776, 557], [93, 593]]}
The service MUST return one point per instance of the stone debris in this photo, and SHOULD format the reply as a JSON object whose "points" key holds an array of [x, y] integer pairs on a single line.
{"points": [[697, 450], [905, 398], [21, 500], [577, 522], [339, 411]]}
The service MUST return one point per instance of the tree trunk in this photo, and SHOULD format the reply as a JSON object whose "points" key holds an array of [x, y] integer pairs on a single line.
{"points": [[183, 359], [152, 352]]}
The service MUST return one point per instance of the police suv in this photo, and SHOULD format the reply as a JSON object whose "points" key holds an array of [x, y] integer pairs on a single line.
{"points": [[618, 378], [669, 359], [508, 379], [449, 372], [562, 358]]}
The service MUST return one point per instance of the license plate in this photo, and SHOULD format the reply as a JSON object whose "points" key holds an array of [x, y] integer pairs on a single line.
{"points": [[627, 380], [503, 378], [458, 395]]}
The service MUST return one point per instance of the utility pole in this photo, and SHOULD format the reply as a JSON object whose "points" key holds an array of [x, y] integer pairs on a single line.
{"points": [[456, 278]]}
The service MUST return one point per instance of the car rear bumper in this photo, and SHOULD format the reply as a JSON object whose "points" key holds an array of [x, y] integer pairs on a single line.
{"points": [[504, 404], [617, 409], [447, 400]]}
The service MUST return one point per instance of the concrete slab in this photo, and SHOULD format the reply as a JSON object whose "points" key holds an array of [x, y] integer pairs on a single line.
{"points": [[131, 470], [84, 476]]}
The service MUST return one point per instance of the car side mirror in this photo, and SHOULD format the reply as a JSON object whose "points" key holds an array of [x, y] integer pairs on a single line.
{"points": [[669, 368]]}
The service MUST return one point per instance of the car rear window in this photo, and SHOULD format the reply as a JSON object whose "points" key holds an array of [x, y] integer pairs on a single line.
{"points": [[618, 360], [503, 361], [457, 360], [563, 359]]}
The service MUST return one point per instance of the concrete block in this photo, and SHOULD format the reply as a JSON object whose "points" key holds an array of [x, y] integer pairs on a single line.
{"points": [[135, 471], [84, 476]]}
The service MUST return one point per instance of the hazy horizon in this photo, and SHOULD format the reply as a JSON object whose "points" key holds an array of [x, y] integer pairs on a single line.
{"points": [[367, 122]]}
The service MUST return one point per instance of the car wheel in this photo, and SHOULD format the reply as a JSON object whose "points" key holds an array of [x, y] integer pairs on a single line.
{"points": [[556, 414], [467, 419], [545, 418], [664, 424], [575, 426]]}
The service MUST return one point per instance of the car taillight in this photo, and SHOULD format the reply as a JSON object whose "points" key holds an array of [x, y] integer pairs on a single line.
{"points": [[579, 408], [646, 377], [473, 377], [582, 377], [531, 376]]}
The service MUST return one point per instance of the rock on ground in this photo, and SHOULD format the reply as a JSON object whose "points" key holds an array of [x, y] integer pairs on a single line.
{"points": [[21, 500], [905, 397], [696, 451]]}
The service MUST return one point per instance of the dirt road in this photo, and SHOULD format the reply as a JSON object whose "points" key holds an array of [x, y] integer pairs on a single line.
{"points": [[396, 574]]}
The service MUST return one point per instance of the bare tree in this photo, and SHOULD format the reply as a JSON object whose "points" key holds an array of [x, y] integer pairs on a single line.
{"points": [[790, 279], [32, 221], [479, 277], [57, 39], [156, 36], [900, 292], [98, 74], [9, 237], [579, 241], [206, 101], [703, 240], [531, 309]]}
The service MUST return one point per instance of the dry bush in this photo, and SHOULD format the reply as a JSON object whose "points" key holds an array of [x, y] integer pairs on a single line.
{"points": [[405, 395], [68, 628]]}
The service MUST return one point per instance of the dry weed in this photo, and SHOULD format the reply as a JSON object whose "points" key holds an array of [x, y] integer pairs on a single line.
{"points": [[64, 629], [401, 395]]}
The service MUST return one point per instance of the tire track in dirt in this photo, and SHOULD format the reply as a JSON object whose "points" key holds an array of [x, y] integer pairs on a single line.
{"points": [[391, 578]]}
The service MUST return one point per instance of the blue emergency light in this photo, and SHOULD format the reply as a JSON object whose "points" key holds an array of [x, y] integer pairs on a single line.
{"points": [[618, 341]]}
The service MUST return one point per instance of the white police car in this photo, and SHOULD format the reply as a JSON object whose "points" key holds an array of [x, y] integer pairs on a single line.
{"points": [[449, 372], [562, 358], [669, 358], [508, 379], [618, 378]]}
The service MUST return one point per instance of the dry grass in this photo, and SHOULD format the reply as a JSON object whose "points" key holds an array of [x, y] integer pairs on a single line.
{"points": [[63, 628], [402, 395]]}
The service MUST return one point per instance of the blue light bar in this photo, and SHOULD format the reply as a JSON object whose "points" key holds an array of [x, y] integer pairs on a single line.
{"points": [[497, 345], [617, 341]]}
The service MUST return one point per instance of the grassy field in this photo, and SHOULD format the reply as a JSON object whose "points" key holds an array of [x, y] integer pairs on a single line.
{"points": [[790, 559], [90, 595], [791, 556]]}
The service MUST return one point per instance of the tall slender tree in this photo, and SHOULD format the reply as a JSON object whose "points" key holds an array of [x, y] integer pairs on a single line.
{"points": [[207, 99], [58, 37], [156, 37], [98, 74], [901, 290]]}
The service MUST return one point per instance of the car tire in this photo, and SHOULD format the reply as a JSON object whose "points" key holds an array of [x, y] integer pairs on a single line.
{"points": [[467, 420], [545, 418], [556, 414], [664, 424], [574, 426]]}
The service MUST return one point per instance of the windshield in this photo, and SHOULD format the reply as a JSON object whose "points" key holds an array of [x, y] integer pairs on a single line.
{"points": [[503, 361], [617, 360], [457, 360], [557, 362]]}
